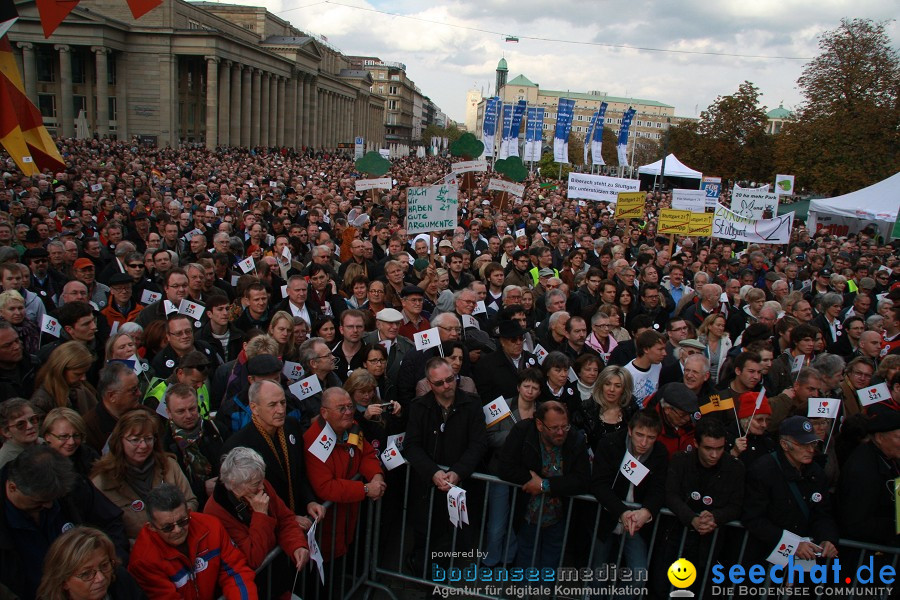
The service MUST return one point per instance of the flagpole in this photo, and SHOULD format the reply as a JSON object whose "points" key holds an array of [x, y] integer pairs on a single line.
{"points": [[828, 441]]}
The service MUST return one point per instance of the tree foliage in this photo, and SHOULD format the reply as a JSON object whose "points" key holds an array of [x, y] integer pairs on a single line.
{"points": [[846, 134], [452, 133]]}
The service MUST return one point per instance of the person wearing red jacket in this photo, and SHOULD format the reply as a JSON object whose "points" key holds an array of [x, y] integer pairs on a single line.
{"points": [[676, 405], [179, 555], [331, 468]]}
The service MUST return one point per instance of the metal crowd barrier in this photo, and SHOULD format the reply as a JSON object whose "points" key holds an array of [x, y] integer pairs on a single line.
{"points": [[364, 566]]}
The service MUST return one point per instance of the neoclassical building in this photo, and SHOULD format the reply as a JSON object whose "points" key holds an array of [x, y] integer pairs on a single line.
{"points": [[193, 72]]}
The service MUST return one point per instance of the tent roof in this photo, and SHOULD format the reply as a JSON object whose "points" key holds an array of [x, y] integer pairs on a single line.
{"points": [[674, 168], [879, 202]]}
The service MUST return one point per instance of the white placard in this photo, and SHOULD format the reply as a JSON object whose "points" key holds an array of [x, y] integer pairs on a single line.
{"points": [[149, 297], [392, 458], [114, 329], [797, 363], [324, 444], [599, 187], [191, 309], [284, 293], [786, 548], [469, 321], [432, 208], [293, 371], [873, 394], [50, 325], [480, 308], [273, 184], [247, 265], [305, 388], [752, 202], [191, 234], [500, 185], [692, 200], [784, 185], [573, 376], [396, 440], [430, 338], [96, 187], [495, 412], [469, 166], [315, 553], [823, 408], [540, 353], [456, 500], [169, 307], [731, 226], [382, 183], [632, 469], [139, 367], [234, 280], [520, 233]]}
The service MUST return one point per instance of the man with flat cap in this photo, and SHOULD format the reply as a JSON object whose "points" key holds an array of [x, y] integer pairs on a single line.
{"points": [[388, 322], [497, 373], [676, 404], [869, 478], [412, 299]]}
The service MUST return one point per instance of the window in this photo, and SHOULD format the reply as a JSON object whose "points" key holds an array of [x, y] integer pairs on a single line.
{"points": [[578, 118], [393, 90], [45, 57], [192, 24], [47, 104], [392, 105], [392, 119], [79, 103], [111, 69], [395, 78], [609, 120], [113, 108], [659, 125], [248, 26], [77, 67]]}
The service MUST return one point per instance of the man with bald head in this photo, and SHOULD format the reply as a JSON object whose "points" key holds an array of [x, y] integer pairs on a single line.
{"points": [[869, 345], [710, 295]]}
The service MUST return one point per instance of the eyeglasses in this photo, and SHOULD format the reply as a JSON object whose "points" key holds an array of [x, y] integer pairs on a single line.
{"points": [[376, 291], [88, 575], [445, 328], [443, 382], [22, 424], [344, 409], [170, 527], [136, 266], [376, 361], [182, 333], [329, 355], [557, 429], [67, 436], [601, 325], [137, 441]]}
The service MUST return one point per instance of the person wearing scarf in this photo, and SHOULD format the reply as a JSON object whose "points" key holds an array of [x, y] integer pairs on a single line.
{"points": [[195, 442]]}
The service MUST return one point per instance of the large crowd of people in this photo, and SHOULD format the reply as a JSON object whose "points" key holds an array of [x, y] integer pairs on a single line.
{"points": [[171, 411]]}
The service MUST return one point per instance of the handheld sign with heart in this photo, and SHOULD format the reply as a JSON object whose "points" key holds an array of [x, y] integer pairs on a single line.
{"points": [[427, 339]]}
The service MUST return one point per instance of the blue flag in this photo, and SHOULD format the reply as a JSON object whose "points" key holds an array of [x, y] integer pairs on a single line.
{"points": [[622, 145], [597, 138], [515, 128], [534, 134], [564, 112], [489, 128]]}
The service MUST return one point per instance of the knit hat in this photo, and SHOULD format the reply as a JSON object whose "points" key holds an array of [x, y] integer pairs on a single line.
{"points": [[748, 405]]}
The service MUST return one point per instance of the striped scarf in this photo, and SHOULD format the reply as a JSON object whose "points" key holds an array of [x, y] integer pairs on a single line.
{"points": [[286, 467]]}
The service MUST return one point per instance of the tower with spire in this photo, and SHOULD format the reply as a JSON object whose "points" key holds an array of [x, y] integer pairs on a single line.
{"points": [[502, 72]]}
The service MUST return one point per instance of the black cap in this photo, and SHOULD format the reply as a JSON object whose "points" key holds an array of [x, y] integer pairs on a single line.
{"points": [[289, 190], [798, 428], [734, 261], [139, 216], [264, 364], [35, 253], [510, 329], [194, 360], [411, 290], [680, 396], [32, 237], [882, 417], [824, 273], [121, 279]]}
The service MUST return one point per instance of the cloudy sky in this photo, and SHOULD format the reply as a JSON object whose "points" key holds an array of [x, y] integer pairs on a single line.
{"points": [[451, 47]]}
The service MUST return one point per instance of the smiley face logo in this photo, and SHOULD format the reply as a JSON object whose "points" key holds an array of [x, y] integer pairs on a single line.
{"points": [[682, 573]]}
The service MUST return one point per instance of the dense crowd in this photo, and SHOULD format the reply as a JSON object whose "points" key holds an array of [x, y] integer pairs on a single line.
{"points": [[171, 411]]}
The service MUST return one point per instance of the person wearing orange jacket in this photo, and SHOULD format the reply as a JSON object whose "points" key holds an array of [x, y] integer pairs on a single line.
{"points": [[332, 466], [179, 555], [121, 307]]}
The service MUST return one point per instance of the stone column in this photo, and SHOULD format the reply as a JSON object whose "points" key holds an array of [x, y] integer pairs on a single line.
{"points": [[273, 110], [304, 106], [122, 80], [234, 139], [224, 103], [262, 107], [102, 74], [29, 71], [212, 101], [168, 100], [314, 126], [254, 108], [290, 115], [246, 92], [66, 109], [334, 120], [282, 114]]}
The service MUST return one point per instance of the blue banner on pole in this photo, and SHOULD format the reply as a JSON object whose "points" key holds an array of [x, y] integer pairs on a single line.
{"points": [[590, 134], [489, 127], [622, 145], [534, 134], [597, 137], [565, 111], [515, 128], [504, 133]]}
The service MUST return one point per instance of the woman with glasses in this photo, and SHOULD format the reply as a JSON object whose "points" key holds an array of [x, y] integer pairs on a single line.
{"points": [[64, 430], [81, 564], [18, 427], [12, 310], [62, 380], [135, 465], [376, 420], [375, 360]]}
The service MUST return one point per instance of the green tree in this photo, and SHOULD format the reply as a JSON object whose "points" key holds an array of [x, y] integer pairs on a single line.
{"points": [[550, 169], [846, 133]]}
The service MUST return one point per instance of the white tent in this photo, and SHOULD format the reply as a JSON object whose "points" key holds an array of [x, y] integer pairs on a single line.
{"points": [[674, 168], [876, 205]]}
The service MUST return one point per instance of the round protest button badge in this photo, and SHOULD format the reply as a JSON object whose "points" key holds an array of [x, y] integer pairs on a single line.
{"points": [[170, 363], [695, 495], [816, 497], [137, 505], [707, 500], [292, 439]]}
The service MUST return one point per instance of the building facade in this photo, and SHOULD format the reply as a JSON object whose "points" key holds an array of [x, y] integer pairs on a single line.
{"points": [[217, 74]]}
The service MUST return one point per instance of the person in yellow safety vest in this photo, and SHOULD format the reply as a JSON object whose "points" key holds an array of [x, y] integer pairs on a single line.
{"points": [[544, 262], [191, 370]]}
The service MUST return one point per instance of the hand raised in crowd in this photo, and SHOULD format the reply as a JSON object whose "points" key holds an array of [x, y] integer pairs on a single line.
{"points": [[740, 445]]}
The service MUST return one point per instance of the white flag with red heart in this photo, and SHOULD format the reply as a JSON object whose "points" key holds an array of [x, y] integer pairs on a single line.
{"points": [[391, 457], [495, 412], [823, 408], [396, 440], [430, 338], [51, 325], [540, 353], [633, 469], [292, 370], [786, 548], [324, 444], [305, 388], [247, 265], [873, 394], [149, 297], [191, 309]]}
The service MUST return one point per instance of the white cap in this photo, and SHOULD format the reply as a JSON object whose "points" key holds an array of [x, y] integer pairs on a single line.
{"points": [[389, 315]]}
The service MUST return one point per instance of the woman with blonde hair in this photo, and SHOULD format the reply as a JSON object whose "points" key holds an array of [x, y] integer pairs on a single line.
{"points": [[62, 380], [122, 346], [64, 430], [135, 465], [608, 411], [12, 310], [376, 420], [81, 564], [281, 328], [713, 335]]}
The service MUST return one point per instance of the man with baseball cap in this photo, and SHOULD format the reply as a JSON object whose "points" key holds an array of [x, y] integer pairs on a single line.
{"points": [[85, 272], [788, 491], [412, 298], [498, 373], [122, 307], [47, 283]]}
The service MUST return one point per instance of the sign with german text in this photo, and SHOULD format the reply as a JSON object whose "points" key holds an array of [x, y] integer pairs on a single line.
{"points": [[432, 208]]}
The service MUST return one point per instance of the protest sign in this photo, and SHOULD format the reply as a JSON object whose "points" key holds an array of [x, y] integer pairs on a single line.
{"points": [[495, 411], [713, 188], [431, 208], [382, 183], [499, 185], [784, 185], [469, 166], [630, 205], [673, 221], [873, 394], [752, 203], [727, 225], [692, 200], [599, 187], [633, 469]]}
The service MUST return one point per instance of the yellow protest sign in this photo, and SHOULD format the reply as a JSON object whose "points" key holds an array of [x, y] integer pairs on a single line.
{"points": [[674, 221], [701, 224], [630, 205]]}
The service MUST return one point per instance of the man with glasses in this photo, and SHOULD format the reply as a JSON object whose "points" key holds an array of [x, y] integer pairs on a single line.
{"points": [[134, 268], [18, 428], [412, 299], [858, 376], [279, 440], [347, 351], [180, 338], [41, 497], [175, 289], [119, 392], [651, 306], [412, 368], [446, 427], [174, 537], [517, 271], [122, 308], [388, 323], [16, 369], [45, 282], [549, 463], [317, 359], [85, 272], [332, 477]]}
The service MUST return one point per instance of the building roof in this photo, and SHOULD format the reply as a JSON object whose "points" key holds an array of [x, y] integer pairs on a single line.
{"points": [[522, 81], [779, 113], [501, 66], [596, 98]]}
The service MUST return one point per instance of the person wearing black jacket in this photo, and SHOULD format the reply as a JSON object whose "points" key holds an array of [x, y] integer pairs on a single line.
{"points": [[611, 487], [566, 473], [788, 491], [445, 442], [41, 497], [498, 373]]}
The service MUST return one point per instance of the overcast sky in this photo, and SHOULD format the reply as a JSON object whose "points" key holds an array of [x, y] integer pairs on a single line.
{"points": [[446, 61]]}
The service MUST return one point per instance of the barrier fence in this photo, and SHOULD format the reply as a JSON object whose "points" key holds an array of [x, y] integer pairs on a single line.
{"points": [[391, 553]]}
